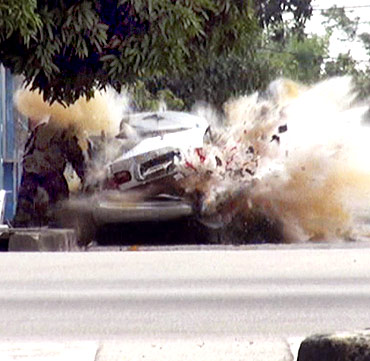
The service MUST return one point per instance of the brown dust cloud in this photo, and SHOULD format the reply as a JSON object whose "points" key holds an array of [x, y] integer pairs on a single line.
{"points": [[295, 155]]}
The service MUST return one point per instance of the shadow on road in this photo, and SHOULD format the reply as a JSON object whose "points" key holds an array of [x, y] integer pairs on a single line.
{"points": [[188, 231], [184, 231]]}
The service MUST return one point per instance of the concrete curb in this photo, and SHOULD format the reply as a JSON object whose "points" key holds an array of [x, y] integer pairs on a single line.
{"points": [[45, 351], [212, 349], [202, 349], [42, 240], [336, 347]]}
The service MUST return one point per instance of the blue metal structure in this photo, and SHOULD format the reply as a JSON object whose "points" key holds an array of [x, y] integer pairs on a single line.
{"points": [[8, 166]]}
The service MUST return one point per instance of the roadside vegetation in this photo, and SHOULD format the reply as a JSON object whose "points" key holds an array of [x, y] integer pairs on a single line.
{"points": [[178, 52]]}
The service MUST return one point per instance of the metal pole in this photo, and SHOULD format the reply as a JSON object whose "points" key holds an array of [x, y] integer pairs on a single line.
{"points": [[2, 121]]}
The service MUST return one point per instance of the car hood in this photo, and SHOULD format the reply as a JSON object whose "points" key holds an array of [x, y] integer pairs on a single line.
{"points": [[168, 121], [177, 130]]}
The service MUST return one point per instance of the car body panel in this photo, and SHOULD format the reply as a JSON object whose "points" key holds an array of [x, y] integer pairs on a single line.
{"points": [[108, 212], [162, 138]]}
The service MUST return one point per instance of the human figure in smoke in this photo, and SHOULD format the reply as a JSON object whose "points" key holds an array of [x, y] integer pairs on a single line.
{"points": [[43, 184]]}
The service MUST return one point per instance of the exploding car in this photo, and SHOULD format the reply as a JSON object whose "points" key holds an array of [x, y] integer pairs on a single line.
{"points": [[160, 139], [130, 174]]}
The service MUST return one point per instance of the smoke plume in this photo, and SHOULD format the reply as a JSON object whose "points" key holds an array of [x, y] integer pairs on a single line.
{"points": [[296, 155], [103, 112]]}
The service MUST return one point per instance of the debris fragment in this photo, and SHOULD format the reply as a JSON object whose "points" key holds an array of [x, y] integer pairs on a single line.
{"points": [[309, 183], [283, 128]]}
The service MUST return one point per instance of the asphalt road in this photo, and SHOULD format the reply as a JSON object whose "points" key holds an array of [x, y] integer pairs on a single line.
{"points": [[284, 292]]}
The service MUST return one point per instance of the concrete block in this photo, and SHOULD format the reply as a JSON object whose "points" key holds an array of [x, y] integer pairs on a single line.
{"points": [[42, 240], [336, 347]]}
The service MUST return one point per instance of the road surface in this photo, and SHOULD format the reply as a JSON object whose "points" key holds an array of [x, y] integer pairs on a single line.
{"points": [[273, 291]]}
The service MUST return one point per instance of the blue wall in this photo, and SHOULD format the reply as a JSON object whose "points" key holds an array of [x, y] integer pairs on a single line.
{"points": [[8, 168]]}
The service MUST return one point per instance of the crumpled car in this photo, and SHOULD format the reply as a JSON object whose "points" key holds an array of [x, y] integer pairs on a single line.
{"points": [[161, 139], [133, 176]]}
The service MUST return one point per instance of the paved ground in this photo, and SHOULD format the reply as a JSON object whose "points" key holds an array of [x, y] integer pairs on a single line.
{"points": [[285, 292]]}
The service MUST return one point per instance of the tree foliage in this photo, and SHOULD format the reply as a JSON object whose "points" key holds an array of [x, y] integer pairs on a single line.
{"points": [[144, 100], [19, 16], [223, 77], [230, 74], [271, 13], [192, 49], [67, 47], [336, 18], [299, 57], [347, 29]]}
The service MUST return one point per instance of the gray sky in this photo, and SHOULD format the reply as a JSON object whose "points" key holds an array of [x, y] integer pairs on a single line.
{"points": [[337, 45]]}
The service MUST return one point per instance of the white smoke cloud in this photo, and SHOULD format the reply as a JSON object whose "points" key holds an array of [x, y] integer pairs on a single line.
{"points": [[297, 154]]}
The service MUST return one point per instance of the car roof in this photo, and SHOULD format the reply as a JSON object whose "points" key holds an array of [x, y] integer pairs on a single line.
{"points": [[166, 120]]}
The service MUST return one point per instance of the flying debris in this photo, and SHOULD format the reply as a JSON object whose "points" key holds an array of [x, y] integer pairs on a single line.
{"points": [[284, 165], [294, 157]]}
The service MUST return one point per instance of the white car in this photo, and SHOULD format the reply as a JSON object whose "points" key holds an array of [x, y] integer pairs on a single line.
{"points": [[162, 137], [141, 161]]}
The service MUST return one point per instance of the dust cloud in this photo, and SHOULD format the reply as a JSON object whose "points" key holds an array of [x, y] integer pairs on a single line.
{"points": [[103, 112], [98, 117], [294, 155]]}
